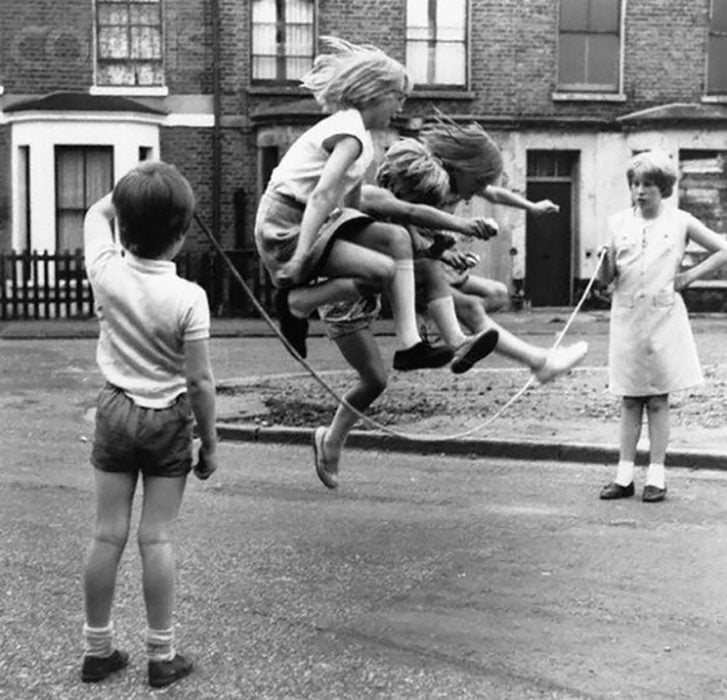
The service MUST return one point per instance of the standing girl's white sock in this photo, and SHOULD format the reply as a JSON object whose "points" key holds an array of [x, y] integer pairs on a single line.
{"points": [[655, 475], [624, 473]]}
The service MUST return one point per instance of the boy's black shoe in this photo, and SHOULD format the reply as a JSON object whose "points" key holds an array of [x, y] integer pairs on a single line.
{"points": [[164, 673], [294, 329], [422, 356], [96, 668]]}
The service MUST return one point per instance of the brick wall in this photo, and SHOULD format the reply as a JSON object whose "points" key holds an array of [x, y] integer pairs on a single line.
{"points": [[45, 46]]}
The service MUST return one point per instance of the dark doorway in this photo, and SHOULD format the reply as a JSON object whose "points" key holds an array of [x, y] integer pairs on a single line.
{"points": [[548, 238]]}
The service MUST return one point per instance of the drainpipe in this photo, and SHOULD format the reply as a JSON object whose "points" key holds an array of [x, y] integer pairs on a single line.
{"points": [[216, 129], [217, 139]]}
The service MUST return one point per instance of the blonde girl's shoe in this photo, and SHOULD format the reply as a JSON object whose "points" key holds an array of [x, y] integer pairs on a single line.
{"points": [[561, 360], [327, 469]]}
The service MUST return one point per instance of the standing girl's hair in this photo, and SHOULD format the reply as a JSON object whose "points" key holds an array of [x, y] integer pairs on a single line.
{"points": [[654, 166]]}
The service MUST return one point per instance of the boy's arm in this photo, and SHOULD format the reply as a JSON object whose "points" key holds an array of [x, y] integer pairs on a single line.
{"points": [[201, 392], [500, 195], [381, 203], [711, 241], [98, 233]]}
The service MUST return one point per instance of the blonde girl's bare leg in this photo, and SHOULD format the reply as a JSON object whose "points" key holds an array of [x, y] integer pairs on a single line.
{"points": [[362, 353], [546, 363]]}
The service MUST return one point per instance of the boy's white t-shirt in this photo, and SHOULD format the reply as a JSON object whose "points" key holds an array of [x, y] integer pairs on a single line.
{"points": [[146, 313], [300, 168]]}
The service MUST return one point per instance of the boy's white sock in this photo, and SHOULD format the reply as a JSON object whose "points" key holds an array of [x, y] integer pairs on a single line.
{"points": [[445, 318], [624, 473], [401, 292], [655, 475], [98, 641], [160, 644]]}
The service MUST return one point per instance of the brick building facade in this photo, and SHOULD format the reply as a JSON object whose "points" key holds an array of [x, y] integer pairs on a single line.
{"points": [[568, 88]]}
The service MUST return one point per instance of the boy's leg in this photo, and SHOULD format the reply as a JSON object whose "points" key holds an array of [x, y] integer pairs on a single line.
{"points": [[114, 498], [162, 500]]}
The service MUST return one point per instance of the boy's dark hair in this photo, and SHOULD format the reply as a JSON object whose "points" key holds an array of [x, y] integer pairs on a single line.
{"points": [[154, 205]]}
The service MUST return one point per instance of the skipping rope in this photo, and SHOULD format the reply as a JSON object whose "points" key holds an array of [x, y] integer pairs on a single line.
{"points": [[338, 398]]}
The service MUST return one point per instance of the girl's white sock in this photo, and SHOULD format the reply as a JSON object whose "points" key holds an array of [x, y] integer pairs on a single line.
{"points": [[401, 292], [445, 318], [624, 473], [655, 475]]}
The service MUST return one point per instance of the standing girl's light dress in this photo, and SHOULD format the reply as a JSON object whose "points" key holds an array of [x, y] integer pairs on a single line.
{"points": [[651, 348]]}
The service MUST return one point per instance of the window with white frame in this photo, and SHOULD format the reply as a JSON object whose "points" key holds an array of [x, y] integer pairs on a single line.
{"points": [[717, 52], [436, 42], [129, 43], [283, 39], [589, 46], [84, 174]]}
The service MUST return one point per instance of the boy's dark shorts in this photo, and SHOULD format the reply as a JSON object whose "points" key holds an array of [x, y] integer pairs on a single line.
{"points": [[131, 439]]}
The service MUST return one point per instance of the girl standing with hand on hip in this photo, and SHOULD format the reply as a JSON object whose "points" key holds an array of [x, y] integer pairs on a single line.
{"points": [[309, 224], [651, 349]]}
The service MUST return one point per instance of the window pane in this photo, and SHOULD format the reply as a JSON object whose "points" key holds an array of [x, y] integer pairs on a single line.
{"points": [[98, 174], [416, 61], [149, 74], [417, 13], [263, 11], [451, 18], [572, 59], [69, 230], [449, 64], [264, 40], [145, 14], [299, 12], [70, 173], [604, 15], [24, 197], [717, 65], [296, 67], [719, 16], [602, 68], [116, 74], [113, 43], [299, 40], [145, 43], [112, 14], [574, 15], [264, 68]]}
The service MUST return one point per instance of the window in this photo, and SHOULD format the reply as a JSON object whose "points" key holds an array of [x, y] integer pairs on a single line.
{"points": [[282, 39], [83, 176], [436, 42], [129, 43], [24, 240], [717, 55], [589, 45]]}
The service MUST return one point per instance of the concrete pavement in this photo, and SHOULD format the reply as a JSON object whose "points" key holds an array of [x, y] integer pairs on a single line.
{"points": [[538, 325]]}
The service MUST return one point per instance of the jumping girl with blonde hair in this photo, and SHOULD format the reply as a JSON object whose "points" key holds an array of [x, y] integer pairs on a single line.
{"points": [[309, 224]]}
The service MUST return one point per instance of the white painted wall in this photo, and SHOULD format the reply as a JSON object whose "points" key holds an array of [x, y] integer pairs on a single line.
{"points": [[43, 131]]}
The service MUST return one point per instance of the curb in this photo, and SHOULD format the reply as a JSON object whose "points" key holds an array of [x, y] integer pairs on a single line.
{"points": [[474, 447]]}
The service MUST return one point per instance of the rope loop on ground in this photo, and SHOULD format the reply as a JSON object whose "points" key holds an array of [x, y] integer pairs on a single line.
{"points": [[340, 400]]}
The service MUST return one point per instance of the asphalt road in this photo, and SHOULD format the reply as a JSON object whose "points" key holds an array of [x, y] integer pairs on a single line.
{"points": [[422, 577]]}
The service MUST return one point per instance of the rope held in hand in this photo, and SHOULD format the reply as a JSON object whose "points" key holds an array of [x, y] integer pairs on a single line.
{"points": [[338, 398]]}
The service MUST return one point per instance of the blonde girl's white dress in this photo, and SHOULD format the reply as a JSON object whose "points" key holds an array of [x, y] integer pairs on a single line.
{"points": [[651, 346]]}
